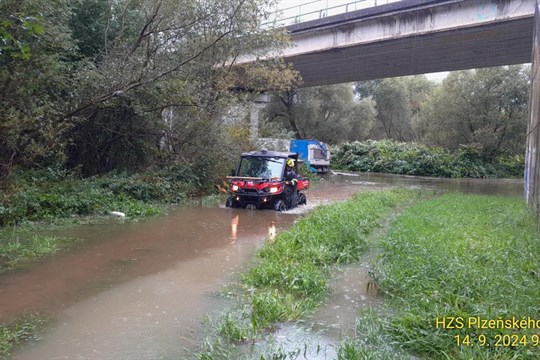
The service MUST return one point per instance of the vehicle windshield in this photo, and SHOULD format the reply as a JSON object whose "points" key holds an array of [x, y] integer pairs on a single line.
{"points": [[261, 167]]}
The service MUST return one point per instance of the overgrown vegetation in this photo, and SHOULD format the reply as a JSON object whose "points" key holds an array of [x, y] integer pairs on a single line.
{"points": [[485, 109], [101, 86], [49, 194], [18, 331], [459, 257], [289, 278], [56, 196], [387, 156]]}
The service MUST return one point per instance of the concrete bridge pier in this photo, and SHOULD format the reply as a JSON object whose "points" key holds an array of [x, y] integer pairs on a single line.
{"points": [[532, 160], [255, 108]]}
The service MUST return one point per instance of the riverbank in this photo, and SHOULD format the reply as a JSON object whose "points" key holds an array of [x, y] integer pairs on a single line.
{"points": [[290, 276], [35, 202], [458, 256], [47, 195], [455, 271]]}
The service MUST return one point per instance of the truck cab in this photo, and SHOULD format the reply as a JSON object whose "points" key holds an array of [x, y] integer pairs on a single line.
{"points": [[314, 153]]}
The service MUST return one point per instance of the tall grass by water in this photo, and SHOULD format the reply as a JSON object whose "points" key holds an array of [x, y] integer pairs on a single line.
{"points": [[17, 331], [15, 252], [290, 276], [466, 258], [51, 194]]}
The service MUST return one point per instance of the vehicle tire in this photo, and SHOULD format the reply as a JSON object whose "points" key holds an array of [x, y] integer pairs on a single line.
{"points": [[302, 200], [279, 205], [231, 203]]}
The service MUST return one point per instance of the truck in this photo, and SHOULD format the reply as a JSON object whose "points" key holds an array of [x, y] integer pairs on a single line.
{"points": [[314, 153]]}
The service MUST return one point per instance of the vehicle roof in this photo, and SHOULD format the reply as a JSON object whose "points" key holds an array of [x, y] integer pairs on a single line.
{"points": [[270, 154]]}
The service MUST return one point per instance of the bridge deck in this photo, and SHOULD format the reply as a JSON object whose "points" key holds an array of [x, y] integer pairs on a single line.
{"points": [[412, 37]]}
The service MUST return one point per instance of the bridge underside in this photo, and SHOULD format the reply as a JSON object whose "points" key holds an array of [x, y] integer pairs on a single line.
{"points": [[497, 44], [424, 36]]}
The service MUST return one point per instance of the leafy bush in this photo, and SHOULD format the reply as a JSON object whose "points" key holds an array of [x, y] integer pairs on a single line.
{"points": [[388, 156], [46, 194]]}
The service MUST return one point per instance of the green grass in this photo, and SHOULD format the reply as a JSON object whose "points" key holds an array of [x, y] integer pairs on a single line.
{"points": [[460, 256], [371, 342], [290, 276], [233, 330], [15, 253], [17, 331], [37, 195]]}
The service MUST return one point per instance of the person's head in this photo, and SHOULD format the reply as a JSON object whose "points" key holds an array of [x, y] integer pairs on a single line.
{"points": [[290, 163]]}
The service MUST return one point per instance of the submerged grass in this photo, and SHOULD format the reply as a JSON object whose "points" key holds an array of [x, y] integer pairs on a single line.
{"points": [[15, 332], [464, 257], [370, 341], [16, 252], [25, 242]]}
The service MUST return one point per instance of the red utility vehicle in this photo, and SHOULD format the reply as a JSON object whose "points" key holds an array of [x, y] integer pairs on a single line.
{"points": [[259, 182]]}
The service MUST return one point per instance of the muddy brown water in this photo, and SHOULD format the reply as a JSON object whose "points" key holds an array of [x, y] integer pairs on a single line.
{"points": [[140, 290]]}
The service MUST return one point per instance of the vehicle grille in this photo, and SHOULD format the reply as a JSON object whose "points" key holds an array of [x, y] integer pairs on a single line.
{"points": [[249, 191]]}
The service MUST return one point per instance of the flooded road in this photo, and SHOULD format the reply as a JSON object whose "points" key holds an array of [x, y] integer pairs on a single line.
{"points": [[136, 291], [139, 290]]}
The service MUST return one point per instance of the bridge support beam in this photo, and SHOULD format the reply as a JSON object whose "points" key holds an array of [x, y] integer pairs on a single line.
{"points": [[532, 160], [256, 106]]}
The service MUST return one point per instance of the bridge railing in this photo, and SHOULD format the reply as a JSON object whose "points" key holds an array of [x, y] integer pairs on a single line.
{"points": [[316, 9]]}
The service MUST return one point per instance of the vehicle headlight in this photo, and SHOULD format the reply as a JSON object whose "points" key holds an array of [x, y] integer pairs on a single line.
{"points": [[274, 189], [234, 188]]}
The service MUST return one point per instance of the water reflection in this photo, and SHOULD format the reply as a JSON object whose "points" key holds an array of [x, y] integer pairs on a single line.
{"points": [[234, 228], [504, 187], [272, 231], [130, 291]]}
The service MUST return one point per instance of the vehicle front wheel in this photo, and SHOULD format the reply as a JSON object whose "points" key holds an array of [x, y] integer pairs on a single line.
{"points": [[279, 205], [302, 200], [231, 202]]}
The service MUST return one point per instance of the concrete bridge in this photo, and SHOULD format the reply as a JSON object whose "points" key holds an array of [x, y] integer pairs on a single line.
{"points": [[412, 37], [422, 36]]}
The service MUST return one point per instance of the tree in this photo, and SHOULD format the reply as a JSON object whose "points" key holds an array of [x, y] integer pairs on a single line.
{"points": [[88, 81], [483, 108], [173, 57], [93, 26], [36, 77], [398, 101], [327, 113]]}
